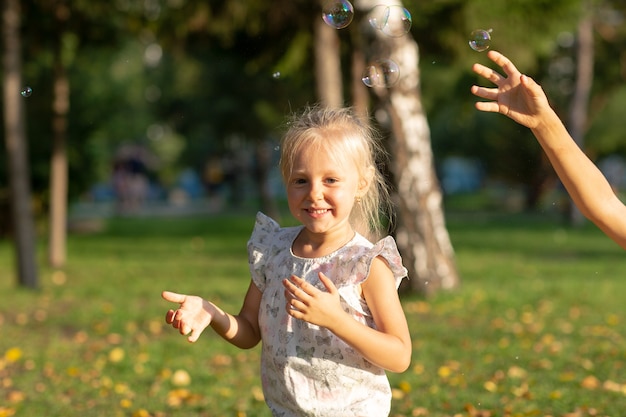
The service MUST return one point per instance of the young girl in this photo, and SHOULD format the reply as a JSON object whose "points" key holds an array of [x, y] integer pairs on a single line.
{"points": [[523, 100], [323, 298]]}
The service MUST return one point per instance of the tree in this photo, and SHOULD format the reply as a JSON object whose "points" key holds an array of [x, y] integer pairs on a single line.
{"points": [[327, 64], [578, 117], [17, 150], [57, 252], [422, 236]]}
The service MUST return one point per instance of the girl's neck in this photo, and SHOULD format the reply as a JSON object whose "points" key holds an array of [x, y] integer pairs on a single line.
{"points": [[316, 245]]}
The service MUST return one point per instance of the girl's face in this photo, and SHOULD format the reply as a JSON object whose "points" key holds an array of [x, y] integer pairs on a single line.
{"points": [[321, 192]]}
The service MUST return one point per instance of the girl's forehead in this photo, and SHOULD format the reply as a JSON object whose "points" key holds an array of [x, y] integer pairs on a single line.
{"points": [[323, 157]]}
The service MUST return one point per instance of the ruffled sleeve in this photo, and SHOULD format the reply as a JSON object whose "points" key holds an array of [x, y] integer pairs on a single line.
{"points": [[360, 270], [259, 246], [387, 249]]}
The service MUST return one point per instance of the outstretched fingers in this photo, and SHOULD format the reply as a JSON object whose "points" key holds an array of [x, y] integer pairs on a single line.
{"points": [[504, 63], [484, 92], [488, 73]]}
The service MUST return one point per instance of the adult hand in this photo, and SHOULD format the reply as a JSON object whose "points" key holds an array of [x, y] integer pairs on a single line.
{"points": [[517, 96]]}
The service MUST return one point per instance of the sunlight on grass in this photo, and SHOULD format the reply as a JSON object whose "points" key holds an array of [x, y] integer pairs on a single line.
{"points": [[536, 329]]}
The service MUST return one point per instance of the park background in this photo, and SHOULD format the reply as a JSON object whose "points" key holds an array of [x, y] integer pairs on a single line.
{"points": [[192, 97]]}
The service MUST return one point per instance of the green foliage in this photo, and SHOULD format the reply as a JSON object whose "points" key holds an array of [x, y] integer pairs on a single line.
{"points": [[535, 330], [213, 79]]}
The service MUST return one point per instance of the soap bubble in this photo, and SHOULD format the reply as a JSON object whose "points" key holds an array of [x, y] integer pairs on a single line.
{"points": [[276, 75], [394, 21], [338, 13], [480, 40], [26, 92], [382, 73]]}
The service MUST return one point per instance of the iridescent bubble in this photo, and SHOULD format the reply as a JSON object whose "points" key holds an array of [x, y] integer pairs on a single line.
{"points": [[338, 13], [26, 92], [382, 73], [480, 40], [394, 21]]}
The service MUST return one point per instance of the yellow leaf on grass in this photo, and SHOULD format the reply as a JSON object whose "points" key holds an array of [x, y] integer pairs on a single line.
{"points": [[16, 397], [404, 386], [13, 355], [490, 386], [590, 382], [397, 394], [444, 371], [555, 395], [126, 403], [181, 378], [116, 354], [257, 393], [6, 412], [516, 372]]}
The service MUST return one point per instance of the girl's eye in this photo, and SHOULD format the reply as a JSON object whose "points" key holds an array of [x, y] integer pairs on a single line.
{"points": [[331, 180], [299, 181]]}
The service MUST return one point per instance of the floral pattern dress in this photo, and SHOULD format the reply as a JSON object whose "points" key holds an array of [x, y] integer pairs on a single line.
{"points": [[305, 369]]}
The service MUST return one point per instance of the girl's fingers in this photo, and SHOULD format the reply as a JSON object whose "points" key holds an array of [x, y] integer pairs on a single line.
{"points": [[169, 316], [185, 329], [173, 297], [328, 283]]}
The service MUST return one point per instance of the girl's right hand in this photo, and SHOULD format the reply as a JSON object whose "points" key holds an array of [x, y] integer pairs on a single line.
{"points": [[192, 316]]}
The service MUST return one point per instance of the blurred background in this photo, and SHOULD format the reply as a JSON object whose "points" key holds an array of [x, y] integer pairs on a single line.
{"points": [[154, 105], [141, 136], [184, 92]]}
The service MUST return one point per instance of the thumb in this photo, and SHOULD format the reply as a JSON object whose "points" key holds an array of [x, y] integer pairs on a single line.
{"points": [[328, 283], [173, 297]]}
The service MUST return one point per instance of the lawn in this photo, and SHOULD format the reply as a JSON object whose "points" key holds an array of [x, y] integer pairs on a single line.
{"points": [[536, 329]]}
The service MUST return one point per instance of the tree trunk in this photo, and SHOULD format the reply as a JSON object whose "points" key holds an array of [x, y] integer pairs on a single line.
{"points": [[57, 252], [17, 150], [422, 236], [580, 101], [360, 95], [327, 64]]}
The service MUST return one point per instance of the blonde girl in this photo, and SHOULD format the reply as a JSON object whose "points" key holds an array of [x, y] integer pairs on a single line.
{"points": [[323, 298]]}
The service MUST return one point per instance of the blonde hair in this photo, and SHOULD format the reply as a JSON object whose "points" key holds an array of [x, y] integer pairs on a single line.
{"points": [[347, 138]]}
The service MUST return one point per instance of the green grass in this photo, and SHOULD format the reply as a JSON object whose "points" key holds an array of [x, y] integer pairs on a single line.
{"points": [[537, 327]]}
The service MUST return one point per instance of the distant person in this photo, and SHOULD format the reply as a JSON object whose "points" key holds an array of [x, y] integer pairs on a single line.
{"points": [[323, 298], [213, 176], [524, 101]]}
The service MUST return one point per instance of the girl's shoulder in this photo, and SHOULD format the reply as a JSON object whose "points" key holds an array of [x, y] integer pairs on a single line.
{"points": [[365, 252], [267, 231]]}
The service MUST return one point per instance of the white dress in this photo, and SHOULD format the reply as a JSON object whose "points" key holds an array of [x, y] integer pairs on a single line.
{"points": [[305, 369]]}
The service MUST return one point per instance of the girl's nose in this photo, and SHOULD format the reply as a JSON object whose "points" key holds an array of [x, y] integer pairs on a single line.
{"points": [[315, 191]]}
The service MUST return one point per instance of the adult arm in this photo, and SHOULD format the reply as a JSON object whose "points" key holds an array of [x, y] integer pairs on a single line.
{"points": [[523, 100]]}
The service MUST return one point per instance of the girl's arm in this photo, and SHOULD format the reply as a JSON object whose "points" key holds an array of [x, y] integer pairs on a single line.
{"points": [[194, 314], [388, 346], [524, 101]]}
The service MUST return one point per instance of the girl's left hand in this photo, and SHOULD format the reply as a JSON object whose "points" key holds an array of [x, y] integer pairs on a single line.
{"points": [[306, 302]]}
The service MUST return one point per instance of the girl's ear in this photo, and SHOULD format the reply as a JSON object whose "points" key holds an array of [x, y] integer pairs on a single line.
{"points": [[365, 182]]}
